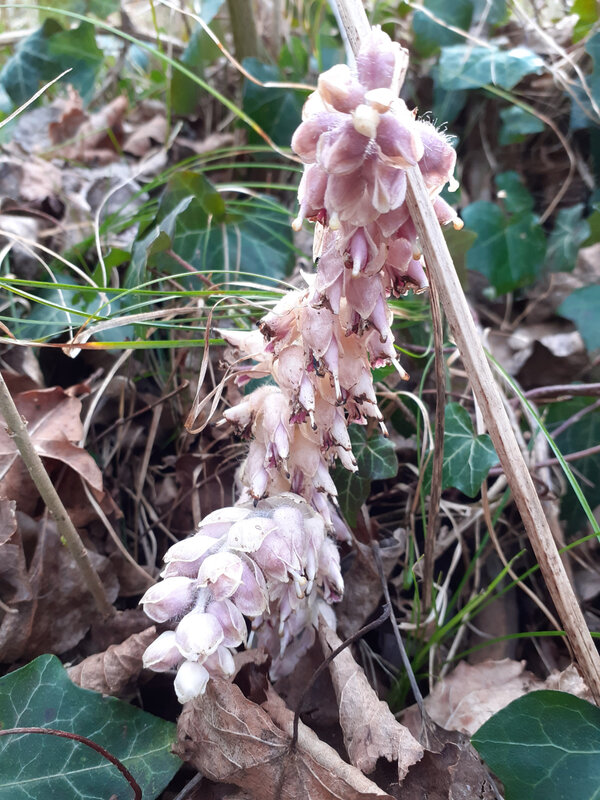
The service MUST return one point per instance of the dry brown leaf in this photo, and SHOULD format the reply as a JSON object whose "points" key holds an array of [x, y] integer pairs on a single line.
{"points": [[455, 773], [88, 139], [113, 671], [471, 694], [54, 608], [54, 425], [370, 729], [15, 587], [233, 740], [148, 135]]}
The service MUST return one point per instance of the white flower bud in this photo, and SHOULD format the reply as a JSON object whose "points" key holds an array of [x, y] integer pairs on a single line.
{"points": [[169, 599], [190, 681]]}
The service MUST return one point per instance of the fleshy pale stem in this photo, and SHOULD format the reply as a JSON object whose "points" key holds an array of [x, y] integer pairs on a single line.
{"points": [[17, 430], [443, 274]]}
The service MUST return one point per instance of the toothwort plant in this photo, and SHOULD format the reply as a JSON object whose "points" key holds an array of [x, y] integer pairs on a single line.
{"points": [[273, 558]]}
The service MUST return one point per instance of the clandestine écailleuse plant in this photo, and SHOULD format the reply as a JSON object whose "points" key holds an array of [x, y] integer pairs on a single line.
{"points": [[273, 558]]}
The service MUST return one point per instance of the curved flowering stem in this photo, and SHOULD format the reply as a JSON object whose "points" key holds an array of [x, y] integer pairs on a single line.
{"points": [[460, 319]]}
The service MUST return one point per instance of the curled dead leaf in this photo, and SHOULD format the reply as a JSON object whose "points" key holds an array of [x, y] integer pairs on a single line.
{"points": [[54, 425], [370, 729], [233, 740], [112, 671]]}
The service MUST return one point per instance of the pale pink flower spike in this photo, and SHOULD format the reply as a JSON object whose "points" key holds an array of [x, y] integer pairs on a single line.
{"points": [[272, 558]]}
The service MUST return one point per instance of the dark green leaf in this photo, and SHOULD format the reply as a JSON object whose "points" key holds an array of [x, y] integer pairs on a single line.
{"points": [[594, 224], [517, 124], [577, 437], [156, 239], [467, 458], [569, 233], [24, 71], [431, 35], [375, 458], [459, 243], [33, 766], [293, 59], [509, 251], [582, 113], [581, 307], [544, 746], [587, 13], [352, 492], [515, 197], [45, 54], [200, 51], [277, 111], [464, 66], [77, 48]]}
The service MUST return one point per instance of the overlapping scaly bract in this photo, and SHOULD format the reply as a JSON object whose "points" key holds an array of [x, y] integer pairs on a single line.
{"points": [[272, 558]]}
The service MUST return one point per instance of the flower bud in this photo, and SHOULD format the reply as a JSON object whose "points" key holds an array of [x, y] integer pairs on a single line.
{"points": [[221, 573], [340, 89], [184, 557], [190, 681], [198, 635], [221, 662], [170, 598], [231, 621], [163, 654]]}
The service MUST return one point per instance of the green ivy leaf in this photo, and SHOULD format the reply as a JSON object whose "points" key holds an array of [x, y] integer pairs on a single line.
{"points": [[544, 746], [353, 491], [41, 695], [467, 458], [581, 307], [515, 197], [375, 458], [277, 111], [23, 72], [509, 250], [463, 66], [568, 235], [431, 35], [517, 125], [45, 54], [578, 436]]}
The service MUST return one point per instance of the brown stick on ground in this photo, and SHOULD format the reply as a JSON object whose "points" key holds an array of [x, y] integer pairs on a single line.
{"points": [[443, 274]]}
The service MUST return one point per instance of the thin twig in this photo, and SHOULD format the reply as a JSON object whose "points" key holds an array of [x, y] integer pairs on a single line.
{"points": [[443, 273], [438, 450], [17, 430], [390, 609]]}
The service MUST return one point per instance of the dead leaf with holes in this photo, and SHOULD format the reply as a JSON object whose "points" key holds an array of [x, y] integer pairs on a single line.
{"points": [[115, 669], [230, 739], [370, 729], [54, 425]]}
